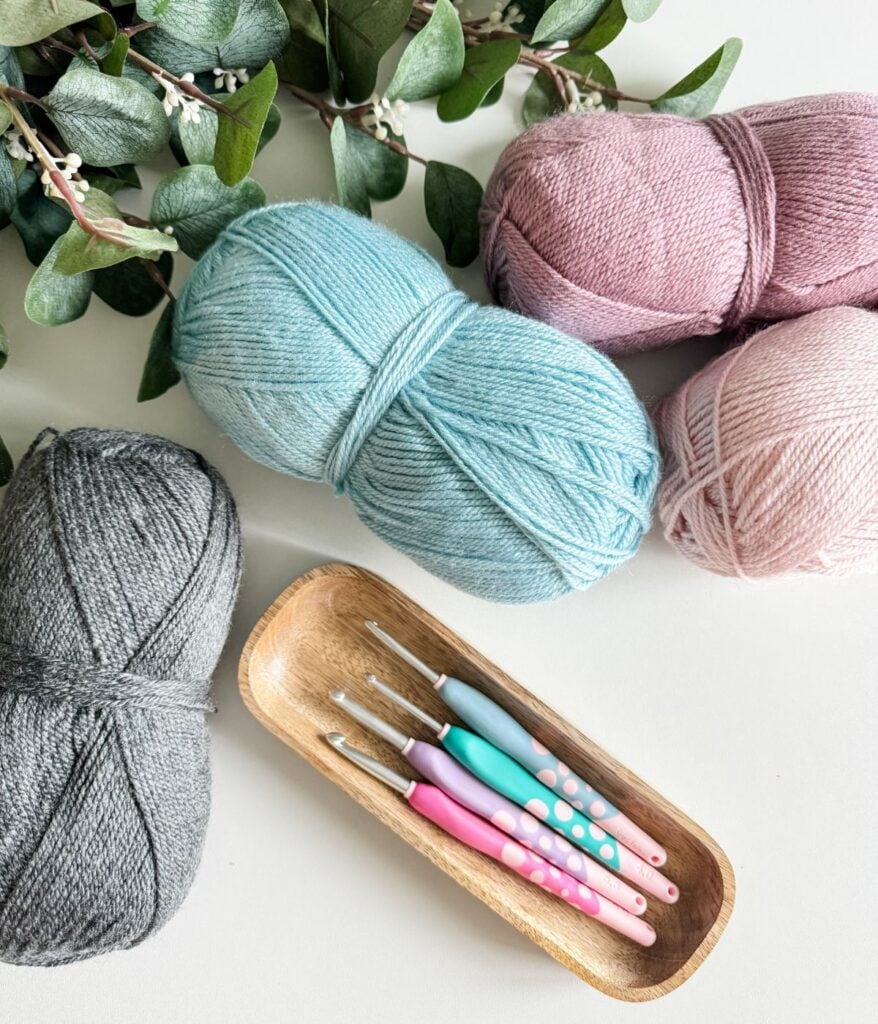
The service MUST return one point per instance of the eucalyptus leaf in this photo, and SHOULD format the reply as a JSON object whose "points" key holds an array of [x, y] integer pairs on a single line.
{"points": [[697, 93], [114, 62], [8, 186], [542, 100], [38, 220], [107, 120], [5, 464], [605, 29], [200, 22], [494, 93], [640, 10], [27, 21], [115, 179], [360, 33], [159, 372], [433, 60], [52, 298], [452, 198], [567, 19], [237, 138], [82, 250], [303, 62], [128, 288], [365, 168], [259, 34], [197, 205], [194, 142], [32, 63], [483, 67], [10, 68]]}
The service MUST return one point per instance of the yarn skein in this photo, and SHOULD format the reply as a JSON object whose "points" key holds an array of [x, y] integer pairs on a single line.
{"points": [[772, 452], [633, 231], [119, 566], [498, 453]]}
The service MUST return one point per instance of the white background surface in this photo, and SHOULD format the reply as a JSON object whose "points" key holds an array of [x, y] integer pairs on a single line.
{"points": [[750, 706]]}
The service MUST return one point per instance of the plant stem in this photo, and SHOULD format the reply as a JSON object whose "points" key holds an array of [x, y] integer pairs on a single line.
{"points": [[328, 114], [190, 88], [153, 271]]}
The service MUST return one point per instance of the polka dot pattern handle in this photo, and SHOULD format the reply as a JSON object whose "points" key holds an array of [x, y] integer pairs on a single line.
{"points": [[452, 778], [461, 823], [500, 728], [500, 772]]}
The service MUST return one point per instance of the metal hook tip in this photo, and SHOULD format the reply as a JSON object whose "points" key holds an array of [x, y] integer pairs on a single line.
{"points": [[335, 739], [337, 695]]}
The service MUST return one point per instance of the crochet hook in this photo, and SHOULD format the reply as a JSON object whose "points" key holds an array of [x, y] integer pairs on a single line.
{"points": [[499, 771], [491, 721], [479, 835], [443, 771]]}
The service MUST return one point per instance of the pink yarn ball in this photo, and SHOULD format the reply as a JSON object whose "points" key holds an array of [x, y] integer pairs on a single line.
{"points": [[632, 231], [772, 452]]}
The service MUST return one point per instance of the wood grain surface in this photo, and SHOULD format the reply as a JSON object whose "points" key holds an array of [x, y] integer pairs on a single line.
{"points": [[313, 639]]}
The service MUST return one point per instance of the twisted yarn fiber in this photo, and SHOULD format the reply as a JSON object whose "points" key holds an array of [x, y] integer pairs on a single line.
{"points": [[633, 231], [119, 565], [772, 451], [499, 454]]}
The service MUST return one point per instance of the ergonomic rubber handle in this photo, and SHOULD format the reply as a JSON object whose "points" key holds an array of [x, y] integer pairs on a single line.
{"points": [[500, 772], [500, 728], [471, 830], [442, 770]]}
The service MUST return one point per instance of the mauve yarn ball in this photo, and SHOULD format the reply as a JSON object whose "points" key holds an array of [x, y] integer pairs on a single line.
{"points": [[119, 566], [772, 452], [498, 453], [632, 231]]}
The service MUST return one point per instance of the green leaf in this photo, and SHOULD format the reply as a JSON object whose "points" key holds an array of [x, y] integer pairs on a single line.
{"points": [[605, 29], [483, 67], [52, 298], [82, 250], [194, 142], [27, 21], [38, 220], [107, 120], [8, 186], [32, 64], [10, 68], [360, 33], [365, 169], [159, 373], [197, 205], [452, 198], [117, 178], [542, 100], [640, 10], [303, 62], [114, 62], [433, 60], [200, 22], [697, 93], [128, 288], [259, 35], [494, 93], [237, 139], [567, 19], [5, 464]]}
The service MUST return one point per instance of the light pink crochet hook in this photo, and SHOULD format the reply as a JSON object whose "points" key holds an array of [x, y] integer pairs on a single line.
{"points": [[471, 830]]}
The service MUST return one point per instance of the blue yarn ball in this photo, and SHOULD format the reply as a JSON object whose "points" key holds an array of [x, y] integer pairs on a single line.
{"points": [[498, 453]]}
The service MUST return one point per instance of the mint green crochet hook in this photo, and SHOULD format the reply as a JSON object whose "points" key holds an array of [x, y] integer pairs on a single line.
{"points": [[506, 776]]}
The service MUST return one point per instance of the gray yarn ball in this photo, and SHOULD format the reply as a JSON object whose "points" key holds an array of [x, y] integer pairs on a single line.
{"points": [[119, 567]]}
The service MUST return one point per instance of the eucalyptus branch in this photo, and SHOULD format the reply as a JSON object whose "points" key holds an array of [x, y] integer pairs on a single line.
{"points": [[189, 88], [153, 272], [352, 116]]}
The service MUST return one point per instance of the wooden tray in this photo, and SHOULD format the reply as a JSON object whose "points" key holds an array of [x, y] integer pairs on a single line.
{"points": [[313, 639]]}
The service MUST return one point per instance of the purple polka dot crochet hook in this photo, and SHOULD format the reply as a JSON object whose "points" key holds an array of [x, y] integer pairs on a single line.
{"points": [[499, 771], [469, 828], [443, 771], [491, 721]]}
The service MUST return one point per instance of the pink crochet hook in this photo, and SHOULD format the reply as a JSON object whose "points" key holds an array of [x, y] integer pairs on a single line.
{"points": [[471, 830]]}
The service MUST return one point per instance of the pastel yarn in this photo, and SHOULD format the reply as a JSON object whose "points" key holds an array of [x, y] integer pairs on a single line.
{"points": [[119, 565], [772, 452], [634, 231], [498, 453]]}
